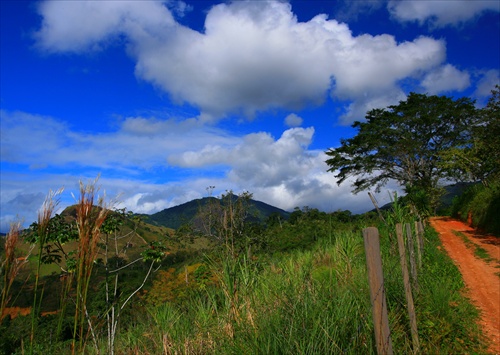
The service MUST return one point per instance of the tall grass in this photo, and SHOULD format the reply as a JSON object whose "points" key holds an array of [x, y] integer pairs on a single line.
{"points": [[310, 298], [10, 265], [91, 213], [306, 302], [44, 215], [313, 301]]}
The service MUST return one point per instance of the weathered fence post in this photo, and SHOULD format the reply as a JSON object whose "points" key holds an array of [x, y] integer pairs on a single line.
{"points": [[420, 234], [411, 251], [407, 286], [418, 244], [377, 291], [381, 216]]}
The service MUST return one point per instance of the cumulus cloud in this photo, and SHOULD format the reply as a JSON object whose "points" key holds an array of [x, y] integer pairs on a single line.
{"points": [[487, 81], [180, 8], [253, 55], [293, 120], [440, 13], [444, 79], [358, 109], [258, 158], [282, 171], [14, 202], [21, 198], [76, 26]]}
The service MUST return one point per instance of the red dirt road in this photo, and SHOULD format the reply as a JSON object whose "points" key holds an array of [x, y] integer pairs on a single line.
{"points": [[481, 278]]}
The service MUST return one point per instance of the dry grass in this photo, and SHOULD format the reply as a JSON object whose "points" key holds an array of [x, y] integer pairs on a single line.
{"points": [[91, 212], [10, 265], [44, 215]]}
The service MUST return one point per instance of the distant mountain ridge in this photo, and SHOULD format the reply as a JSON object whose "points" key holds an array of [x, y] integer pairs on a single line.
{"points": [[176, 216], [450, 192]]}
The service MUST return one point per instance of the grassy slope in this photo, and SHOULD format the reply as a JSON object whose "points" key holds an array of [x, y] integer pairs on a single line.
{"points": [[309, 301], [310, 298]]}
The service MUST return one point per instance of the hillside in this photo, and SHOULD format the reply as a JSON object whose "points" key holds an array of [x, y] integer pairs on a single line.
{"points": [[285, 287], [185, 213], [133, 235], [142, 229]]}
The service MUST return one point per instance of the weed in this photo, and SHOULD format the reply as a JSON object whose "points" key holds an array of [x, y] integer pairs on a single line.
{"points": [[479, 251]]}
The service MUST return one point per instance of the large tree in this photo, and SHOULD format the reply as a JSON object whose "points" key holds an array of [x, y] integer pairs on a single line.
{"points": [[479, 160], [404, 143], [491, 137]]}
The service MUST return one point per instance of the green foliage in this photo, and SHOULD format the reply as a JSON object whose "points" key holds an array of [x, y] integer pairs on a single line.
{"points": [[297, 286], [155, 252], [404, 143], [399, 212], [308, 301], [446, 319], [58, 230], [52, 239], [479, 160], [481, 204], [175, 286], [312, 298]]}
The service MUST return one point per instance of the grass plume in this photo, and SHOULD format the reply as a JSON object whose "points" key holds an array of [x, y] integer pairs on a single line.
{"points": [[10, 265], [45, 213], [91, 212]]}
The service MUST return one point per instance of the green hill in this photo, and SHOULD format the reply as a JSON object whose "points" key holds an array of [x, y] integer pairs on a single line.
{"points": [[185, 213]]}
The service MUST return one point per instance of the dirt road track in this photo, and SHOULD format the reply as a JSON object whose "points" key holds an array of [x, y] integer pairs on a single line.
{"points": [[481, 278]]}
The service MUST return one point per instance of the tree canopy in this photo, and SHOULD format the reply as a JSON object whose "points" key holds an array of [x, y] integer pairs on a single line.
{"points": [[480, 159], [405, 143]]}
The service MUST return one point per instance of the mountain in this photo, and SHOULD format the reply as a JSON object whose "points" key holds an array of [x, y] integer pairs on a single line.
{"points": [[177, 216], [452, 191]]}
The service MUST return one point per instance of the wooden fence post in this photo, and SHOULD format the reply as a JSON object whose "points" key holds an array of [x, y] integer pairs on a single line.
{"points": [[381, 216], [418, 245], [421, 235], [407, 286], [377, 291], [411, 251]]}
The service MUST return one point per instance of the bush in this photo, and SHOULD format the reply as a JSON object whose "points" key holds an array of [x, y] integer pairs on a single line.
{"points": [[479, 205]]}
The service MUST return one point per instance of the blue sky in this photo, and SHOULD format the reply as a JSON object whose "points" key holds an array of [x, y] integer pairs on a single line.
{"points": [[166, 98]]}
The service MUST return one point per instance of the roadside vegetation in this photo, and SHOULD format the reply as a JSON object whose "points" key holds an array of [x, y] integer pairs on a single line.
{"points": [[290, 286], [479, 205], [479, 252]]}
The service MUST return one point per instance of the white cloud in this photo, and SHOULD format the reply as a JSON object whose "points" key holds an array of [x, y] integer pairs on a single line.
{"points": [[293, 120], [284, 172], [253, 56], [77, 26], [440, 13], [444, 79], [486, 83], [22, 195], [180, 8], [258, 159], [375, 63], [358, 109], [147, 142]]}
